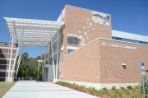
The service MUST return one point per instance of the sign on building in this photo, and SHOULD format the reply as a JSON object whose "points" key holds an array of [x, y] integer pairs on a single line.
{"points": [[142, 68]]}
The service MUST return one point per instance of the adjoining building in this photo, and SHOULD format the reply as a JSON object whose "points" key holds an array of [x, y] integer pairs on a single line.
{"points": [[86, 50], [5, 60]]}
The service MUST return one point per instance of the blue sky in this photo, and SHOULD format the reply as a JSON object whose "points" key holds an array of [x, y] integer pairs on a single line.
{"points": [[127, 15]]}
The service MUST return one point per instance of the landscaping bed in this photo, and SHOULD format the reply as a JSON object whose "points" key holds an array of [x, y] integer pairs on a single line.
{"points": [[128, 92], [4, 87]]}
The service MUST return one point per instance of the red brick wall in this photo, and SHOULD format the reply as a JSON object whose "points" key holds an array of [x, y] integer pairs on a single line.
{"points": [[79, 21], [112, 58], [103, 64], [82, 65]]}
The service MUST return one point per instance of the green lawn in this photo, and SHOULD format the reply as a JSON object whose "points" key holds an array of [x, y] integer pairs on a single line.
{"points": [[4, 87]]}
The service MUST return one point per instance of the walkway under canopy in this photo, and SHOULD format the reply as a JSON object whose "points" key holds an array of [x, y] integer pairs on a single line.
{"points": [[31, 32], [32, 89]]}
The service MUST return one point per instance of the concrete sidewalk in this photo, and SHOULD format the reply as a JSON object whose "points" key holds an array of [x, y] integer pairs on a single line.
{"points": [[33, 89]]}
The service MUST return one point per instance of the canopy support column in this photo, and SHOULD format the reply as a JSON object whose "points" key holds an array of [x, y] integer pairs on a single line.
{"points": [[18, 63], [14, 63], [9, 78], [57, 63], [53, 64]]}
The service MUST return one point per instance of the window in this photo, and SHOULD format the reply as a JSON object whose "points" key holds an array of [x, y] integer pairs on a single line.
{"points": [[129, 40], [124, 66], [73, 40], [46, 62], [146, 71], [70, 50]]}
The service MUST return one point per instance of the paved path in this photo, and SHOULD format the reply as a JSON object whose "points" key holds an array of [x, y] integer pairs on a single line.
{"points": [[32, 89]]}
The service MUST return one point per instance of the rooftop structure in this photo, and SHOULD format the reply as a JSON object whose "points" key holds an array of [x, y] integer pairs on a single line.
{"points": [[129, 37]]}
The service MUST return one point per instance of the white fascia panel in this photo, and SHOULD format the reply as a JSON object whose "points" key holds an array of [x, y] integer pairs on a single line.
{"points": [[126, 35]]}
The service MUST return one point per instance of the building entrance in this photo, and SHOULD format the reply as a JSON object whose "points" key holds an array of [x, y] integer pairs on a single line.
{"points": [[31, 32]]}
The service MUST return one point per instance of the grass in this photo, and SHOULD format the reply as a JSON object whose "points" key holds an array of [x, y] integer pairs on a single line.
{"points": [[4, 87], [128, 92]]}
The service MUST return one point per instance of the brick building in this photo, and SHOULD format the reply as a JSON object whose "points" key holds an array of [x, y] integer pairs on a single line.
{"points": [[93, 54], [84, 50]]}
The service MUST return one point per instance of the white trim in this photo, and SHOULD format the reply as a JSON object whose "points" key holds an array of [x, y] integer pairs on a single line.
{"points": [[5, 59], [5, 53], [101, 38], [101, 85], [2, 70], [61, 16], [72, 47], [6, 48], [74, 35]]}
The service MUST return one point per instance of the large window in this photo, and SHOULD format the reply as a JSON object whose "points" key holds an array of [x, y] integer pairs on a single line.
{"points": [[71, 49], [74, 40]]}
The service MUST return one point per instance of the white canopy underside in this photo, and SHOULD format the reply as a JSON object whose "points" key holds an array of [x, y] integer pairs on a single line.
{"points": [[32, 32]]}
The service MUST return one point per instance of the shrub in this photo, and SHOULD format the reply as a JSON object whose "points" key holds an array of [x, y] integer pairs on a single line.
{"points": [[89, 90], [116, 93], [136, 87], [114, 88], [145, 85], [128, 92], [129, 87], [103, 91], [93, 91], [124, 91]]}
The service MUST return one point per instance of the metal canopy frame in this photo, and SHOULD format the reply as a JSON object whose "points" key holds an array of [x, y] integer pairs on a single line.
{"points": [[31, 32]]}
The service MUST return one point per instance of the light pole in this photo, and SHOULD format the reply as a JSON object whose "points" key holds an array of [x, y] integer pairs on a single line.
{"points": [[39, 64]]}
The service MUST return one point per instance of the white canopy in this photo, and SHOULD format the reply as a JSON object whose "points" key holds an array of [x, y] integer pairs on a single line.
{"points": [[32, 32]]}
